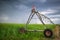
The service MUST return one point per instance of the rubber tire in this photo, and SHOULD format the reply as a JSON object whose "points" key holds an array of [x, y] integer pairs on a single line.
{"points": [[22, 30], [48, 31]]}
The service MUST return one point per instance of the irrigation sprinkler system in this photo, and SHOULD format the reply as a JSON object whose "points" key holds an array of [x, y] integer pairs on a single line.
{"points": [[47, 32]]}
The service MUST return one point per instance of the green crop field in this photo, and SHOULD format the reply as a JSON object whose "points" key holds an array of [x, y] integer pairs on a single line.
{"points": [[11, 32]]}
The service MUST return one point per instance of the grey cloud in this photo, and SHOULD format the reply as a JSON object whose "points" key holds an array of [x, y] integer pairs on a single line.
{"points": [[55, 17], [57, 13], [29, 3], [11, 7]]}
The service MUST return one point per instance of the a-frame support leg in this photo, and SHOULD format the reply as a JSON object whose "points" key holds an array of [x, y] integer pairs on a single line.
{"points": [[29, 19], [40, 18]]}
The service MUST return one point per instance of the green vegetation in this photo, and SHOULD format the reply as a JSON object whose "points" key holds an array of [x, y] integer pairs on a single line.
{"points": [[11, 32]]}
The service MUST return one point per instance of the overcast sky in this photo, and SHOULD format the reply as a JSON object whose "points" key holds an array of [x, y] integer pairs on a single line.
{"points": [[18, 11]]}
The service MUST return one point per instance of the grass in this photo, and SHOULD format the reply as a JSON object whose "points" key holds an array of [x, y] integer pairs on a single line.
{"points": [[11, 32]]}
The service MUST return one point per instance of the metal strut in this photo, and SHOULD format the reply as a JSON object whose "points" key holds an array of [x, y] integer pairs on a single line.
{"points": [[38, 14], [29, 19]]}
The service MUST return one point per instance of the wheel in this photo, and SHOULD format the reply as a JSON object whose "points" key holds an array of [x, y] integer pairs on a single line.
{"points": [[48, 33], [22, 30]]}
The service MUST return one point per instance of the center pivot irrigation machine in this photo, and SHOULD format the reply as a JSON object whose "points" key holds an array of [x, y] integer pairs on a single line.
{"points": [[47, 32]]}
